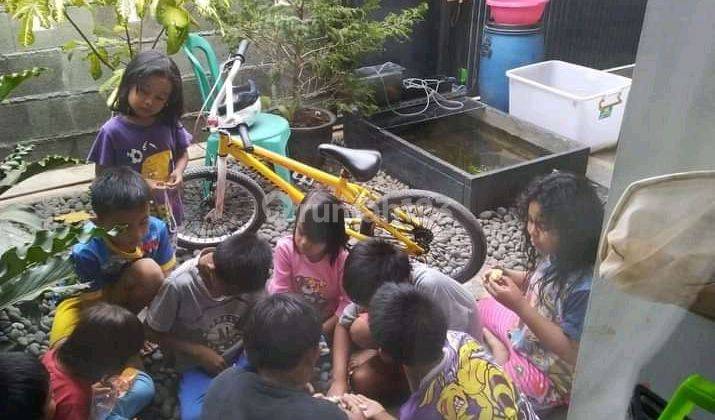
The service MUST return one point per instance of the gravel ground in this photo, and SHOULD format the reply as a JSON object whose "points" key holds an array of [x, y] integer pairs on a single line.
{"points": [[26, 327]]}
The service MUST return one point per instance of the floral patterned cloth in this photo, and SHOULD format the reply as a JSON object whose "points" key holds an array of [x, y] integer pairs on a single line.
{"points": [[466, 384], [568, 311]]}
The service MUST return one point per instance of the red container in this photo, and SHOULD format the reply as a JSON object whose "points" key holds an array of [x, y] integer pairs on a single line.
{"points": [[517, 12]]}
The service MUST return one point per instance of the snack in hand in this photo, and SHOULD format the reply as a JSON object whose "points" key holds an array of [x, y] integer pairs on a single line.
{"points": [[495, 275]]}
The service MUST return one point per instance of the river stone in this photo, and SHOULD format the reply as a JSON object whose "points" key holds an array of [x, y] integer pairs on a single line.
{"points": [[34, 349], [488, 214]]}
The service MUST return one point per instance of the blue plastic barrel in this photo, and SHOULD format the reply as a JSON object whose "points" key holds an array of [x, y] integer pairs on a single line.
{"points": [[504, 48]]}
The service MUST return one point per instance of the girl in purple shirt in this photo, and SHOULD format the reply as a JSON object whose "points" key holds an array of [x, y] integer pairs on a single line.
{"points": [[146, 134]]}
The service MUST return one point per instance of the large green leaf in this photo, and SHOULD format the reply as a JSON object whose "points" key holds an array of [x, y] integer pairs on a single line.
{"points": [[95, 66], [27, 271], [58, 9], [24, 170], [47, 164], [17, 224], [36, 280], [175, 20], [26, 34], [20, 214], [17, 158], [26, 12], [8, 82]]}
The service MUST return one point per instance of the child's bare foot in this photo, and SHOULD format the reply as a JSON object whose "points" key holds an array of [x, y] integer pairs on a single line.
{"points": [[499, 350]]}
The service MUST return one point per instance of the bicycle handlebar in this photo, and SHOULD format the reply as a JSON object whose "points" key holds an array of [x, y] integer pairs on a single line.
{"points": [[225, 91], [241, 50]]}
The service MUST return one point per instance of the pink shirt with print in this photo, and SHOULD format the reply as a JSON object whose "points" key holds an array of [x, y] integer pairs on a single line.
{"points": [[320, 283]]}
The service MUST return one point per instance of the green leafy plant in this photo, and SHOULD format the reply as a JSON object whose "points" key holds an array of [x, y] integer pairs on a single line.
{"points": [[15, 169], [313, 46], [8, 82], [112, 48], [29, 270], [26, 271]]}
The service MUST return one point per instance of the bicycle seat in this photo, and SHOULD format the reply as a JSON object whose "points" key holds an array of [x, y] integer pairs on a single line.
{"points": [[362, 164]]}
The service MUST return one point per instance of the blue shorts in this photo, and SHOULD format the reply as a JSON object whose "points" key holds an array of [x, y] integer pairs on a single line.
{"points": [[194, 385]]}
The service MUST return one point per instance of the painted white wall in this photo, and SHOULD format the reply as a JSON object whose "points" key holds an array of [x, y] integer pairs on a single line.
{"points": [[669, 127]]}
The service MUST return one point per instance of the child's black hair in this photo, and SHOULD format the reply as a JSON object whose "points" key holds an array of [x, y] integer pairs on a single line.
{"points": [[142, 66], [244, 259], [407, 325], [119, 188], [279, 330], [24, 386], [322, 219], [371, 263], [570, 206], [105, 338]]}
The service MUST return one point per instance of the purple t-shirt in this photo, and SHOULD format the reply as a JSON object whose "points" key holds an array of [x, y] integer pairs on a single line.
{"points": [[150, 150]]}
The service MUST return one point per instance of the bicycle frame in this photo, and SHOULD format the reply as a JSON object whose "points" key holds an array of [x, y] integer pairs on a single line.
{"points": [[346, 191]]}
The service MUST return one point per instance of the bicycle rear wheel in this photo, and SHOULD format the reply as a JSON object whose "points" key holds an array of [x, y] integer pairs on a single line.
{"points": [[243, 207], [450, 234]]}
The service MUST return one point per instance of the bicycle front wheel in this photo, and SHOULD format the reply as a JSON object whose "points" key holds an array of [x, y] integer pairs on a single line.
{"points": [[243, 207], [451, 236]]}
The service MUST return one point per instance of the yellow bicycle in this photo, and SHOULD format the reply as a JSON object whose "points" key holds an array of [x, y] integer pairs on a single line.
{"points": [[431, 227]]}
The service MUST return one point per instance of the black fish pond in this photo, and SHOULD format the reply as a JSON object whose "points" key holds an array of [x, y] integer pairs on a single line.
{"points": [[477, 155]]}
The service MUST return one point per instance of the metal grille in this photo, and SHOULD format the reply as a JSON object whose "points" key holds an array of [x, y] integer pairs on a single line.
{"points": [[594, 33]]}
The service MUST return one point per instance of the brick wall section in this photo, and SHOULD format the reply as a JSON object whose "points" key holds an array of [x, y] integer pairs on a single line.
{"points": [[62, 109]]}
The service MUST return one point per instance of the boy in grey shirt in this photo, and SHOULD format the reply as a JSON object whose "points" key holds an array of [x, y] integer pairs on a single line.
{"points": [[198, 311]]}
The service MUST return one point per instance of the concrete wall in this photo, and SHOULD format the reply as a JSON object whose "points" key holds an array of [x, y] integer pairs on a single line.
{"points": [[668, 127], [61, 110]]}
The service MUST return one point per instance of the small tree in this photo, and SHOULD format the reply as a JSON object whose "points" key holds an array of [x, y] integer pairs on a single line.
{"points": [[314, 46], [112, 48]]}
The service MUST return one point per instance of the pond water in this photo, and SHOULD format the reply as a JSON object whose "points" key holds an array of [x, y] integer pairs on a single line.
{"points": [[468, 143]]}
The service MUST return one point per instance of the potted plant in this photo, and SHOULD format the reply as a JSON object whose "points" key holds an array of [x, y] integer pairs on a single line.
{"points": [[312, 48]]}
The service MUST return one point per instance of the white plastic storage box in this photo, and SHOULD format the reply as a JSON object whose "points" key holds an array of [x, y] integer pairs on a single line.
{"points": [[577, 102]]}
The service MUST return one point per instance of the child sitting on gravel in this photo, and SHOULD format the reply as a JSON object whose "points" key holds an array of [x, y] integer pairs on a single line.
{"points": [[310, 263], [370, 264], [88, 378], [127, 269], [198, 310], [451, 376], [24, 388], [281, 336], [534, 319]]}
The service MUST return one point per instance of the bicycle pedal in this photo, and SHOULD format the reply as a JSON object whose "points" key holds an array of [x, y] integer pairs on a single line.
{"points": [[302, 180]]}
